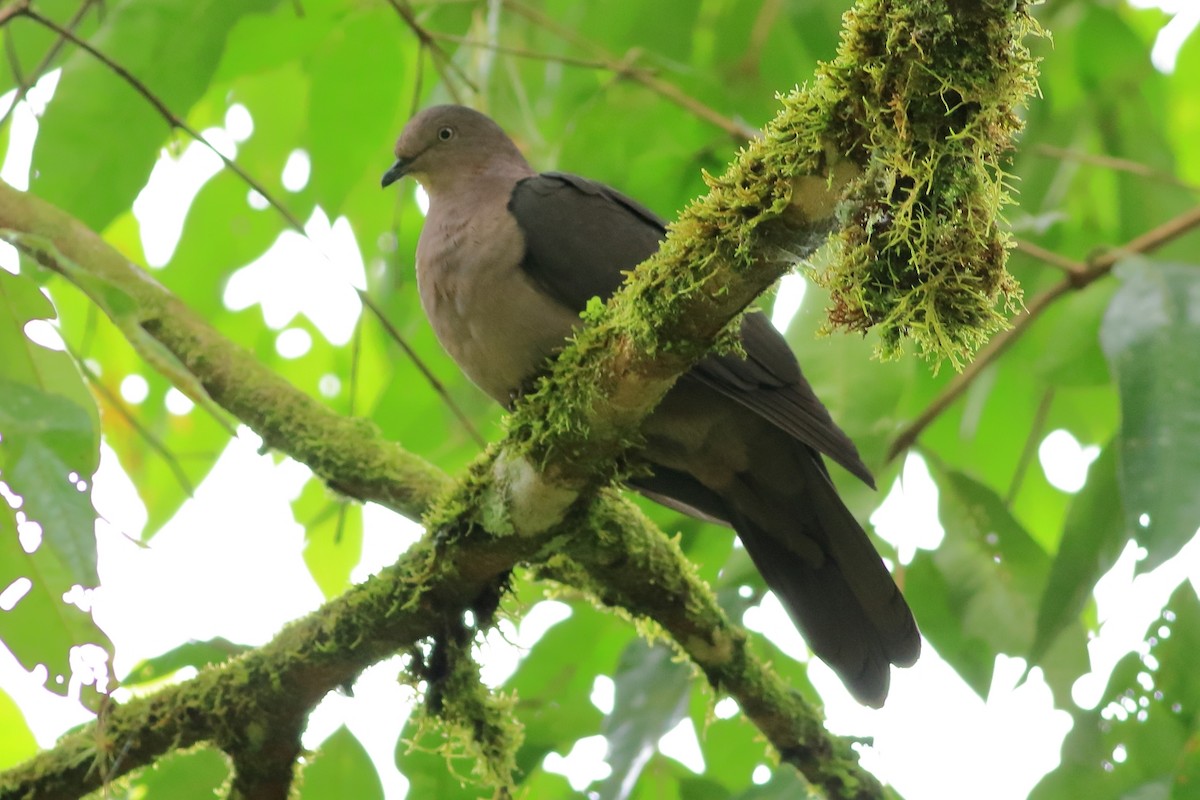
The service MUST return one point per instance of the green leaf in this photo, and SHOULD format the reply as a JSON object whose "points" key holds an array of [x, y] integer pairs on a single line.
{"points": [[1141, 740], [651, 698], [47, 456], [28, 43], [173, 47], [40, 628], [357, 77], [977, 595], [554, 681], [1092, 540], [332, 536], [731, 747], [16, 740], [187, 775], [1151, 336], [340, 769], [192, 654], [21, 301], [49, 449]]}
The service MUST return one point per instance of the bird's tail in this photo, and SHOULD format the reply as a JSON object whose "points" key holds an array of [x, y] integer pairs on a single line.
{"points": [[818, 560]]}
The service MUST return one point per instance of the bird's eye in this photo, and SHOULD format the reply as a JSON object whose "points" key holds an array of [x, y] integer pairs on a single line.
{"points": [[446, 134]]}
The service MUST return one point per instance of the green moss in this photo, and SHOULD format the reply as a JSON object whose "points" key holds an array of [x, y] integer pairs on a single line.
{"points": [[924, 95], [477, 724]]}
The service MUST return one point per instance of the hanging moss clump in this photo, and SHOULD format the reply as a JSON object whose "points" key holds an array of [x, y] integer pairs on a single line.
{"points": [[923, 95]]}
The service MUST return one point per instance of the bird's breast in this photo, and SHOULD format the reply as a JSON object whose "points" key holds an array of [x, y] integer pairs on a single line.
{"points": [[490, 318]]}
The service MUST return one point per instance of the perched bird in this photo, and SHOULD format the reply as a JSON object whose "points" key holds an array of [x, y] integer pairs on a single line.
{"points": [[507, 260]]}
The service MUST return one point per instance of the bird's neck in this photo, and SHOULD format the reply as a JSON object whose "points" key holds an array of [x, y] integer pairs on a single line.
{"points": [[473, 180]]}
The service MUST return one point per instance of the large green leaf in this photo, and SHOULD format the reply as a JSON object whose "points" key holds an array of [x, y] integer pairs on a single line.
{"points": [[554, 682], [41, 628], [357, 81], [173, 47], [1141, 740], [332, 536], [191, 775], [340, 769], [47, 456], [651, 698], [1092, 539], [16, 740], [978, 594], [1151, 336], [49, 432]]}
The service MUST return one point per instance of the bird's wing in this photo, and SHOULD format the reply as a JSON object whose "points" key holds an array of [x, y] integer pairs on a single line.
{"points": [[768, 381], [581, 237]]}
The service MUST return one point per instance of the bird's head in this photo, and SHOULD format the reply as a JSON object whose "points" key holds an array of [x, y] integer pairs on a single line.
{"points": [[445, 143]]}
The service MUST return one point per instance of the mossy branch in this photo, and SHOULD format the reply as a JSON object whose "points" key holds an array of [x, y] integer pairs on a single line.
{"points": [[924, 96], [279, 683], [774, 206]]}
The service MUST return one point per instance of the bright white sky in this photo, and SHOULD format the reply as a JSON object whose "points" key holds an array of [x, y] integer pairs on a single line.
{"points": [[205, 573]]}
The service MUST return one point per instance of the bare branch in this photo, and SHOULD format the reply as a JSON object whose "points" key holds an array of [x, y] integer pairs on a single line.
{"points": [[1050, 257], [441, 58], [1114, 163], [1075, 280], [27, 82], [738, 130]]}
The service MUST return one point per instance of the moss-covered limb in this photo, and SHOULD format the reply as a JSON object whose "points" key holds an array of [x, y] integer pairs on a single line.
{"points": [[287, 420], [924, 95], [329, 648], [265, 771], [775, 205], [270, 689], [626, 562], [254, 705]]}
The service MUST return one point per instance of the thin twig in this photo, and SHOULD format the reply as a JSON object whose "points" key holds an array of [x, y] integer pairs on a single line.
{"points": [[1150, 240], [166, 113], [14, 63], [1097, 268], [439, 54], [674, 94], [520, 52], [764, 23], [29, 81], [13, 9], [1063, 263], [1114, 163], [176, 122]]}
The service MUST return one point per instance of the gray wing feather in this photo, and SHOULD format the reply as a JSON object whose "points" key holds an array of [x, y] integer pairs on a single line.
{"points": [[582, 237]]}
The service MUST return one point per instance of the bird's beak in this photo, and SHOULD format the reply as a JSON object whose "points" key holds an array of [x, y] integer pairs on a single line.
{"points": [[397, 171]]}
